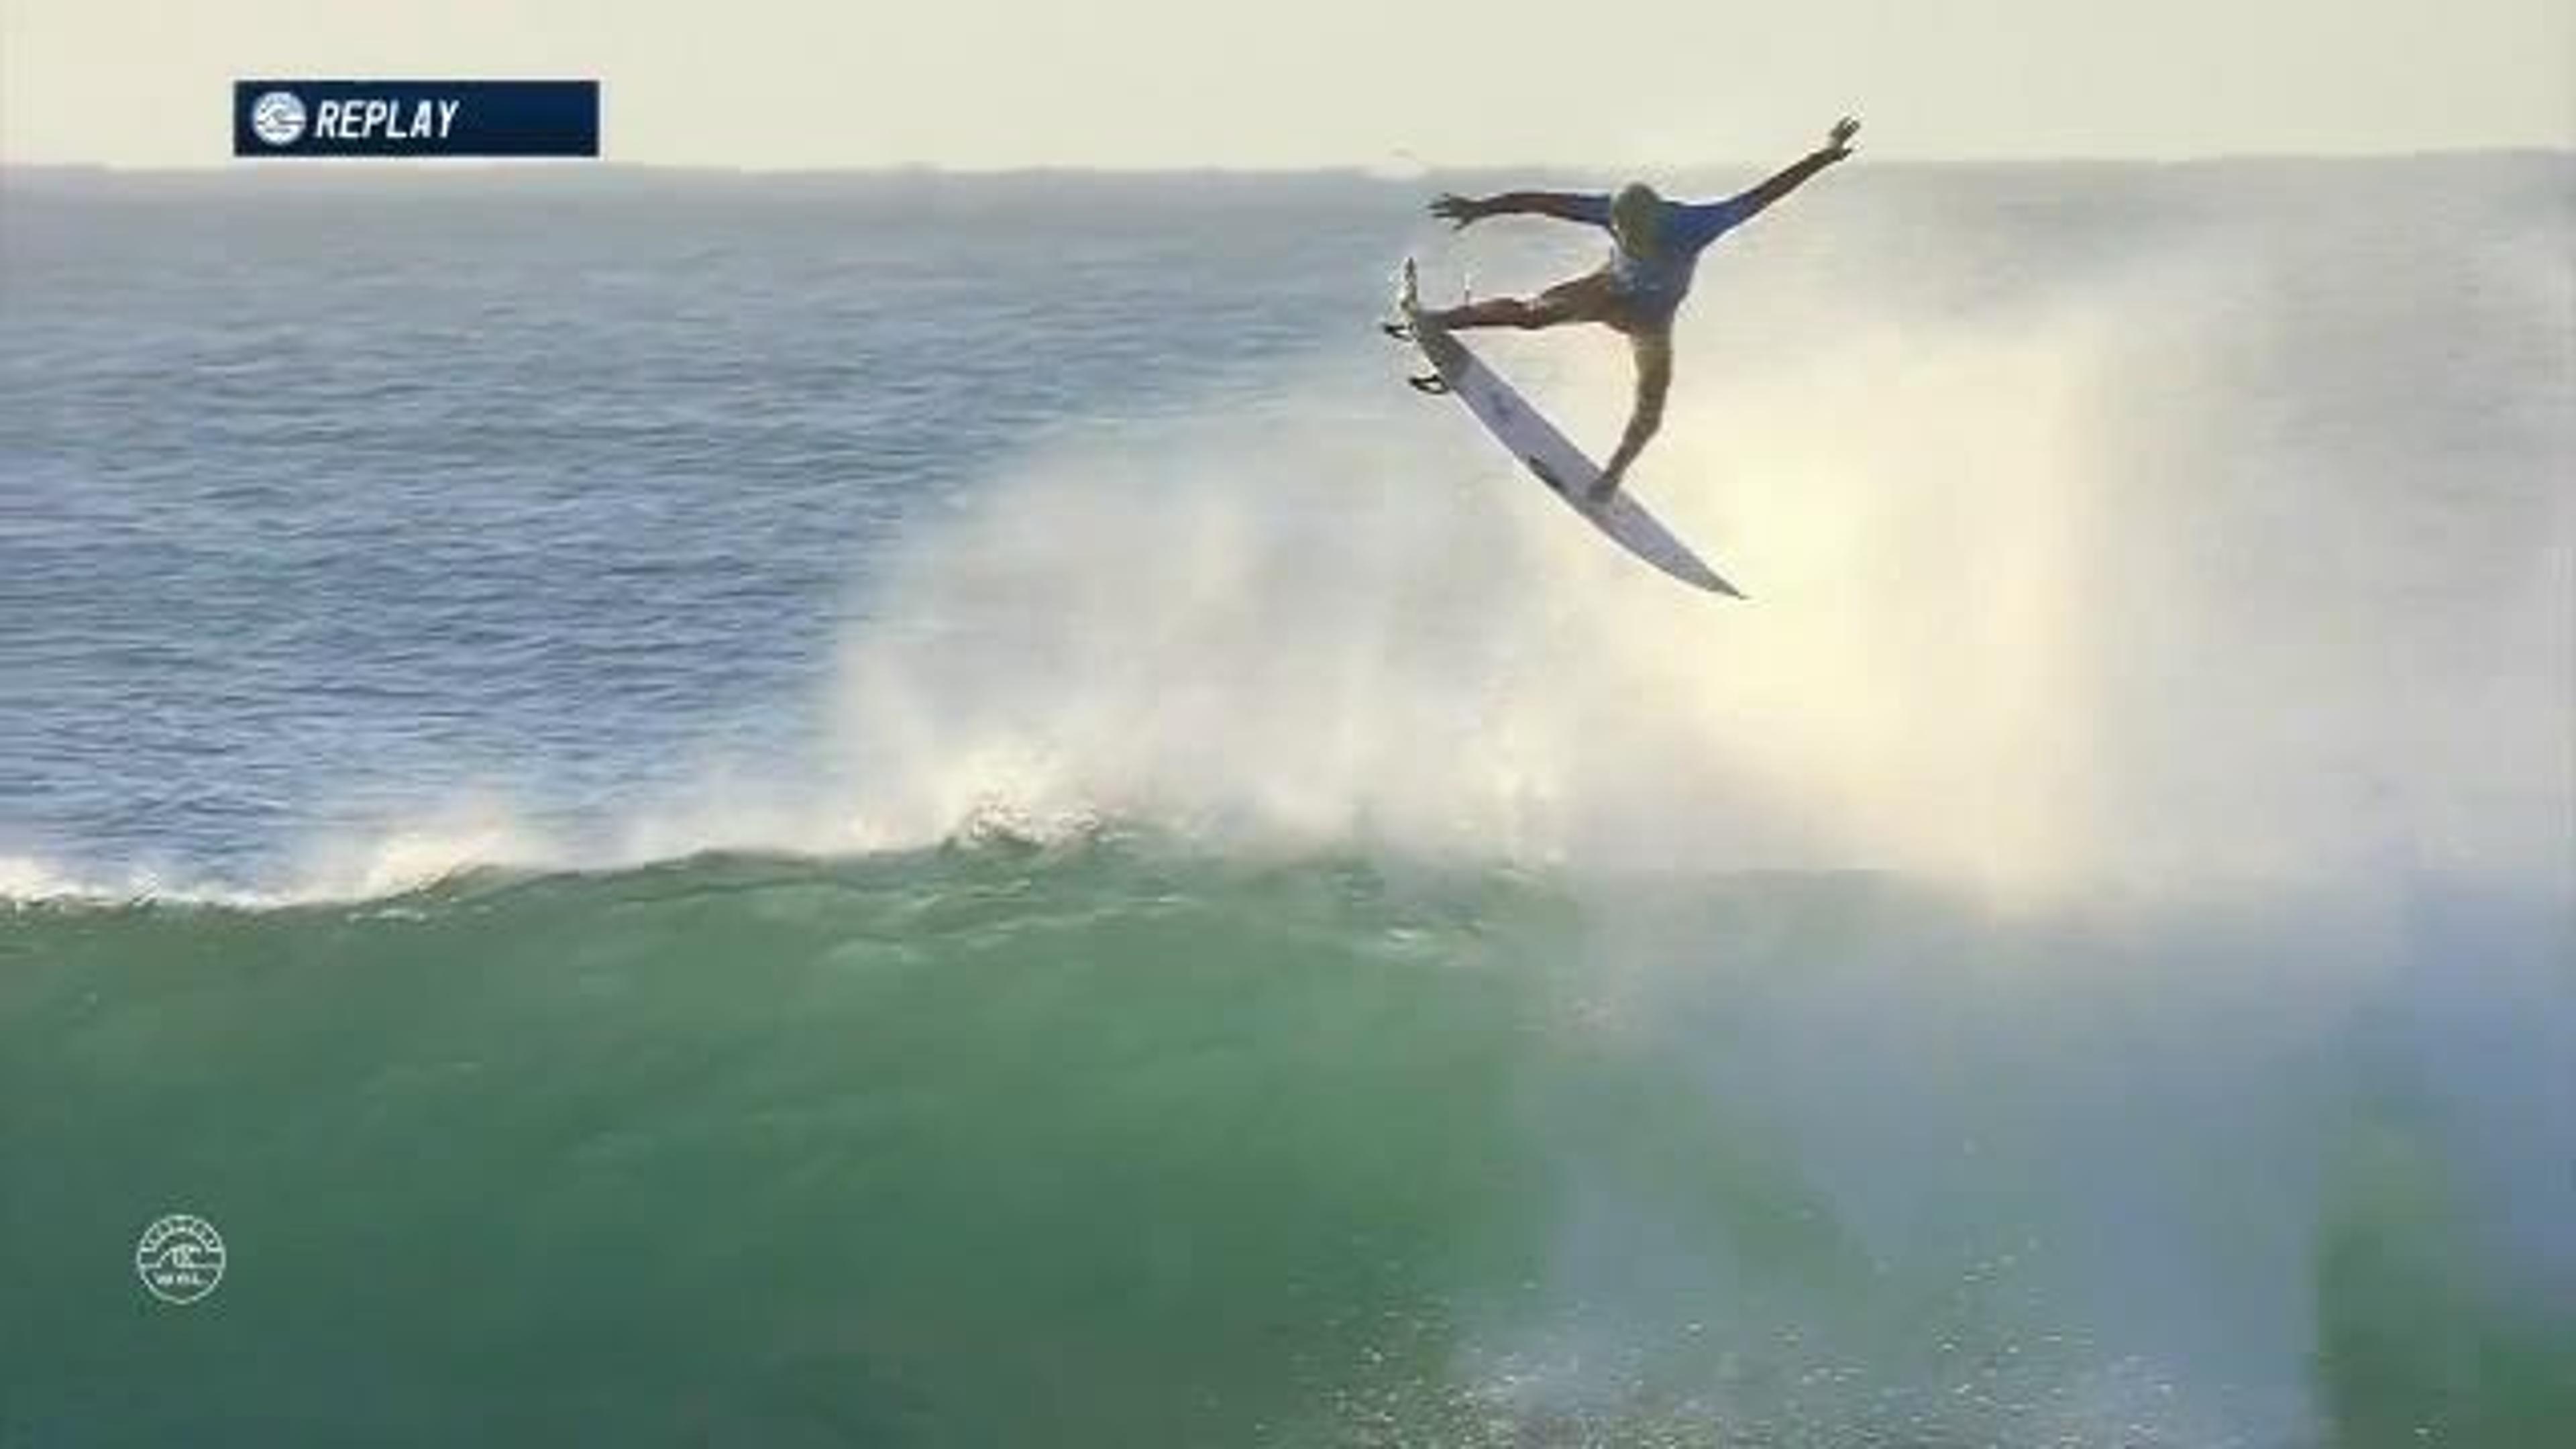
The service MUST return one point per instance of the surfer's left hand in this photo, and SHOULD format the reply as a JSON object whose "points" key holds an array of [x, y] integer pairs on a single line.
{"points": [[1458, 211], [1838, 140]]}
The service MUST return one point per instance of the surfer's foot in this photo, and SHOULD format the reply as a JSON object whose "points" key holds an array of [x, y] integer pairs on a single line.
{"points": [[1604, 490]]}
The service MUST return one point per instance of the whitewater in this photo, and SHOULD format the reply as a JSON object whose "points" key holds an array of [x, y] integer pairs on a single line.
{"points": [[931, 810]]}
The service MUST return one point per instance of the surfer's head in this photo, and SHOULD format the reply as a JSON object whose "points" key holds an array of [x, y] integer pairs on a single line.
{"points": [[1636, 216]]}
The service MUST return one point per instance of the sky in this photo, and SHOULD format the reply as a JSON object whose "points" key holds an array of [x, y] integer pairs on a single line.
{"points": [[1370, 83]]}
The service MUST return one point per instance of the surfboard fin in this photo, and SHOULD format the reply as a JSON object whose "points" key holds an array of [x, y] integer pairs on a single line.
{"points": [[1431, 384]]}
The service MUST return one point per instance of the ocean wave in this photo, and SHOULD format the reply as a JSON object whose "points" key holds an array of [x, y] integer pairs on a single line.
{"points": [[1308, 1150]]}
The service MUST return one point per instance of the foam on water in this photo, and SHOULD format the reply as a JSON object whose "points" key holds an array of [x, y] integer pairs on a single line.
{"points": [[2143, 577]]}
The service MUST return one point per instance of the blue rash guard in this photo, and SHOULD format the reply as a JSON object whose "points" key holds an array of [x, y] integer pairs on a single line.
{"points": [[1655, 285]]}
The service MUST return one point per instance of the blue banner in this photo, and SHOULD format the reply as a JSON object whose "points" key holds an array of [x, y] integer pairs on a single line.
{"points": [[415, 118]]}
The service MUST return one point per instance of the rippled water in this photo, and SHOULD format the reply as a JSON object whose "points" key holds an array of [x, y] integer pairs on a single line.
{"points": [[928, 811]]}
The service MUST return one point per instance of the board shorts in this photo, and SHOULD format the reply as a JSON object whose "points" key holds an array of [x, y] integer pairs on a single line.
{"points": [[1603, 296]]}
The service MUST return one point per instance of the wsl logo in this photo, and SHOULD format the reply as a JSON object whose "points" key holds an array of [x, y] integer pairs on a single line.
{"points": [[415, 118], [277, 118], [180, 1258]]}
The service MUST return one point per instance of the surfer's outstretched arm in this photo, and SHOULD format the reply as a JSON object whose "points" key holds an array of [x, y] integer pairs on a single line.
{"points": [[1575, 206], [1795, 174]]}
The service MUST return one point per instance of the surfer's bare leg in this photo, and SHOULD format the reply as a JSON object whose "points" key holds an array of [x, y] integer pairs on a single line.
{"points": [[1585, 299], [1653, 350], [1498, 312]]}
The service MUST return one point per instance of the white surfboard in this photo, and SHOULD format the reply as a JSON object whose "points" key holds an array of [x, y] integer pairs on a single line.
{"points": [[1545, 452]]}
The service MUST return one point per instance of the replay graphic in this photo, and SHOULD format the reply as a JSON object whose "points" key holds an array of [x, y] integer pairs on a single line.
{"points": [[406, 118]]}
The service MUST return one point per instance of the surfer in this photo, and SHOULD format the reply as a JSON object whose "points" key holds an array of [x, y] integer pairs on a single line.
{"points": [[1655, 245]]}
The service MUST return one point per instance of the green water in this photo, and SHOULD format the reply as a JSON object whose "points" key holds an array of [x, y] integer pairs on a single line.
{"points": [[1093, 1145]]}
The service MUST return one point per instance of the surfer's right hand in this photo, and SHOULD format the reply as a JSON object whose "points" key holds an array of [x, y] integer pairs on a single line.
{"points": [[1457, 210]]}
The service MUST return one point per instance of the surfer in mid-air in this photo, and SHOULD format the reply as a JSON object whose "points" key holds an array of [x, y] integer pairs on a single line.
{"points": [[1655, 245]]}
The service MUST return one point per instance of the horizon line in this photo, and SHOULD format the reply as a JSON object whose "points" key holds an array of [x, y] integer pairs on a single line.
{"points": [[228, 166]]}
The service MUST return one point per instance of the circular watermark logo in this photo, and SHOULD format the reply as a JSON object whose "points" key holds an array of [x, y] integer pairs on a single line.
{"points": [[180, 1258], [277, 117]]}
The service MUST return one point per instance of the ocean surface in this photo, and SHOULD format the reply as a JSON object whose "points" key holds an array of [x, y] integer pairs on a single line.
{"points": [[929, 810]]}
